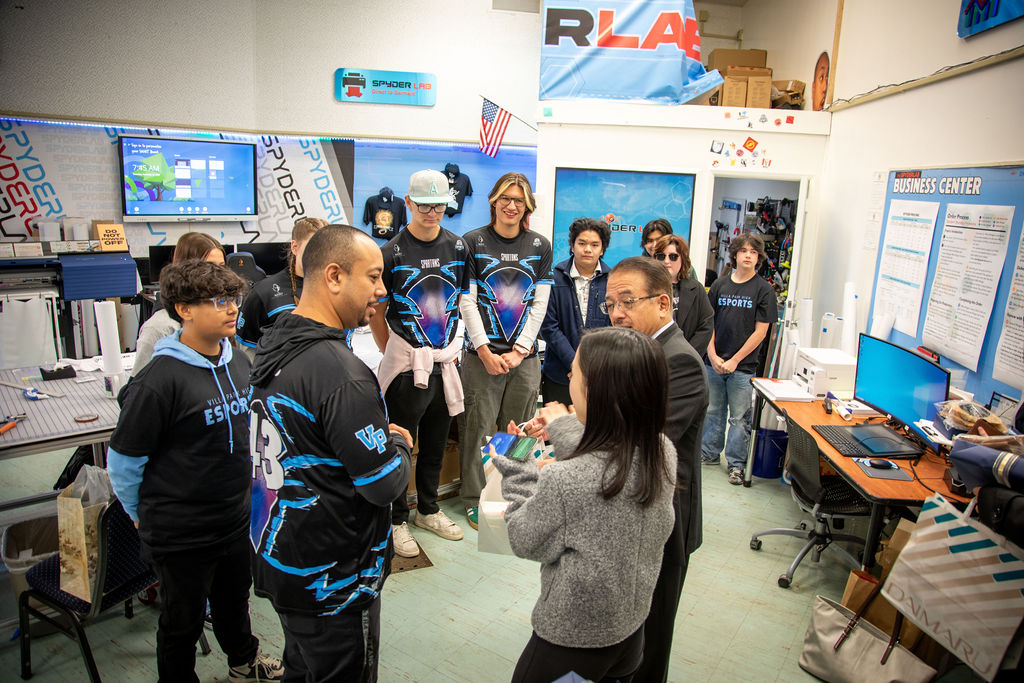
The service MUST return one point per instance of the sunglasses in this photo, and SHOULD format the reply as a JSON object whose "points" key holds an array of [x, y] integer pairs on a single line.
{"points": [[661, 256]]}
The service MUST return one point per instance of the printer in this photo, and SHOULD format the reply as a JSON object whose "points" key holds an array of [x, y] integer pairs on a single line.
{"points": [[819, 371]]}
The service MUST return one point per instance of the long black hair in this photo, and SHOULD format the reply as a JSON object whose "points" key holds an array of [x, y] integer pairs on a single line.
{"points": [[626, 377]]}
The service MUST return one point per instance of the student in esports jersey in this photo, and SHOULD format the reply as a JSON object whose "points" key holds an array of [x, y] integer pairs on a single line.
{"points": [[326, 465], [278, 293], [510, 279], [744, 305], [179, 463], [416, 327]]}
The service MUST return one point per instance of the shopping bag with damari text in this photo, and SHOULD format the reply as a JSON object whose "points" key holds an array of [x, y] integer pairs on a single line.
{"points": [[78, 511], [961, 583]]}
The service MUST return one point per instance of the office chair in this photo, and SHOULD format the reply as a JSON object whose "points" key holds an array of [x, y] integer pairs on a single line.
{"points": [[244, 265], [825, 498], [119, 571]]}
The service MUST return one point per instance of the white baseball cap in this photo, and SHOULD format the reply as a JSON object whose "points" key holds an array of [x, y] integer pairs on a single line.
{"points": [[430, 187]]}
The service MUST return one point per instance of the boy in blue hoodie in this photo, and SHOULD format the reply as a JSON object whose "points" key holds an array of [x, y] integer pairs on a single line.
{"points": [[179, 463]]}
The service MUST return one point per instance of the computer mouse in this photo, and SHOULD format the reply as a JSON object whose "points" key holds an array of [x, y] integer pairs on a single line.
{"points": [[880, 464]]}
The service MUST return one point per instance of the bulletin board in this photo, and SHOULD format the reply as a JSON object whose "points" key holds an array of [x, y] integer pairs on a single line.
{"points": [[972, 263]]}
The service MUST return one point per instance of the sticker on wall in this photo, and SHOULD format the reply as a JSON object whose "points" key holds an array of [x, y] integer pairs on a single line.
{"points": [[371, 86], [717, 146], [750, 144], [790, 119]]}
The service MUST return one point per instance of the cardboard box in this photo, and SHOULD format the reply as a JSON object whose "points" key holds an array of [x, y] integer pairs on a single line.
{"points": [[722, 59], [759, 92], [747, 86], [734, 92], [712, 99], [789, 94]]}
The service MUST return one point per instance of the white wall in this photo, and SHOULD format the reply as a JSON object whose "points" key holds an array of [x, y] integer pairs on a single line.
{"points": [[968, 120], [794, 32], [723, 20], [266, 65]]}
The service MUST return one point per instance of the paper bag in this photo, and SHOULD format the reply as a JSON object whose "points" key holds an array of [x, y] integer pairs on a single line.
{"points": [[492, 536], [880, 612], [78, 511], [961, 583]]}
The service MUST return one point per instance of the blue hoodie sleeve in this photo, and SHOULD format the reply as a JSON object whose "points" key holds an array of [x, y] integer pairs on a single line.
{"points": [[125, 477]]}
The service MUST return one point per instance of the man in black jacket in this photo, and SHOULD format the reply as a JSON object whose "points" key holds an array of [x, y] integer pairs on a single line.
{"points": [[326, 465], [639, 296]]}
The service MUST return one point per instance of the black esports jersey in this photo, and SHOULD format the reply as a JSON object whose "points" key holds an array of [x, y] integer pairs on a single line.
{"points": [[268, 299], [424, 282], [506, 273], [321, 455]]}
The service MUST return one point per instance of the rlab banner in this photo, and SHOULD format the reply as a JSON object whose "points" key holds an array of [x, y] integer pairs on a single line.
{"points": [[645, 50]]}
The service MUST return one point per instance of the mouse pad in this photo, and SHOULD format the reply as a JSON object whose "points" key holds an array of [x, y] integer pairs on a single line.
{"points": [[874, 473]]}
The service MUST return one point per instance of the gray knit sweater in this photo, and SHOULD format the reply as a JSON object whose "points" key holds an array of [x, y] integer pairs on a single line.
{"points": [[599, 558]]}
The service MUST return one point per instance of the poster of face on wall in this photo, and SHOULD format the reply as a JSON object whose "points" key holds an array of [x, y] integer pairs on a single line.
{"points": [[819, 84], [626, 200]]}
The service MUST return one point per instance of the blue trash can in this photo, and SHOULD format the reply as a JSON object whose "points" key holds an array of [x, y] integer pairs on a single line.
{"points": [[769, 453]]}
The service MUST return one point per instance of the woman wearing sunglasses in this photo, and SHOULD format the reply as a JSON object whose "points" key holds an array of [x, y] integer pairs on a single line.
{"points": [[693, 312]]}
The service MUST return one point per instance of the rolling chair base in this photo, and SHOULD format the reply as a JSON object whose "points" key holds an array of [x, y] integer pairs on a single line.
{"points": [[818, 539]]}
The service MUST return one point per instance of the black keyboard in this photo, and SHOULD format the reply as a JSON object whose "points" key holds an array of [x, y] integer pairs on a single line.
{"points": [[842, 440]]}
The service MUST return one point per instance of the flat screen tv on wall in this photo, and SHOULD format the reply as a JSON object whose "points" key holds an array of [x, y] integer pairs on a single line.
{"points": [[171, 179]]}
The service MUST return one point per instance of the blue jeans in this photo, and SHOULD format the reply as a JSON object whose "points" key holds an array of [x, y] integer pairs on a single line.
{"points": [[728, 396]]}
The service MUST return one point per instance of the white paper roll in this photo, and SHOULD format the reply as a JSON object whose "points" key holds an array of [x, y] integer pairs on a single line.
{"points": [[788, 360], [80, 231], [49, 231], [110, 342], [881, 325], [827, 332], [848, 341], [804, 316]]}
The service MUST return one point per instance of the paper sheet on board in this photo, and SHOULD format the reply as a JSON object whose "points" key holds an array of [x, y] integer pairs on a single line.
{"points": [[904, 266], [1009, 361]]}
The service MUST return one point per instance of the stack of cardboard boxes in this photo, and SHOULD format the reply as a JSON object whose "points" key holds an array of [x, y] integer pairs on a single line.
{"points": [[748, 81]]}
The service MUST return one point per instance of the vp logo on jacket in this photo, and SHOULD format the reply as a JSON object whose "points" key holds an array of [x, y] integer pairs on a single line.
{"points": [[372, 438]]}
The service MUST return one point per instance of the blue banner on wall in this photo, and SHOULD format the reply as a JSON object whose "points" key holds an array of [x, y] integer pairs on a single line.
{"points": [[626, 200], [980, 15], [385, 87], [622, 50]]}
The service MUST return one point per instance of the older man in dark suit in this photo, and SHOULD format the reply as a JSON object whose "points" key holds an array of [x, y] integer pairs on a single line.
{"points": [[639, 295]]}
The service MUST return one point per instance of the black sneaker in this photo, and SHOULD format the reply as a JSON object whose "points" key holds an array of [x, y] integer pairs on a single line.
{"points": [[262, 668]]}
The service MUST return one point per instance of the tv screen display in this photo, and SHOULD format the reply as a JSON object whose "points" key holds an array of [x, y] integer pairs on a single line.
{"points": [[899, 382], [170, 179], [626, 200]]}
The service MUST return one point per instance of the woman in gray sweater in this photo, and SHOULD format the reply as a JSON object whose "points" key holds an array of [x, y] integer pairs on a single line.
{"points": [[596, 518]]}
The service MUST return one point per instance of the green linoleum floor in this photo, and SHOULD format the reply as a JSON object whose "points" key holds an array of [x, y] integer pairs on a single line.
{"points": [[467, 618]]}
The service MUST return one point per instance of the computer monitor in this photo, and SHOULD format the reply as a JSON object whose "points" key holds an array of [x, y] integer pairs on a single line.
{"points": [[898, 382], [271, 257]]}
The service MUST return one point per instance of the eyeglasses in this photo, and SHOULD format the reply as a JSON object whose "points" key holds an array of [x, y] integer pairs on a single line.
{"points": [[626, 304], [431, 208], [661, 256], [222, 303], [505, 200]]}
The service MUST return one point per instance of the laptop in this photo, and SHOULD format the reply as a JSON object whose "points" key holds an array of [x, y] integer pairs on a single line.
{"points": [[869, 440]]}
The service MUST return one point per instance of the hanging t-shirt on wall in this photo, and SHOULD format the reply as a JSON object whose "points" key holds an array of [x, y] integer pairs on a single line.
{"points": [[385, 212], [461, 188]]}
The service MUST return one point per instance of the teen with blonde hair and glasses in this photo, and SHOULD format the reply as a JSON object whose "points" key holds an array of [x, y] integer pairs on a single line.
{"points": [[509, 275]]}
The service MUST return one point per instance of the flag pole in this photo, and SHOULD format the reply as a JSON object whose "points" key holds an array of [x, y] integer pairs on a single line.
{"points": [[523, 121]]}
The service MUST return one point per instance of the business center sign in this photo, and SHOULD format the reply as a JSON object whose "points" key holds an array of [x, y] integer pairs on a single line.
{"points": [[622, 50], [385, 87]]}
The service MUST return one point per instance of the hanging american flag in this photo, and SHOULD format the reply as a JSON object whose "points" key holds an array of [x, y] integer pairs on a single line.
{"points": [[493, 122]]}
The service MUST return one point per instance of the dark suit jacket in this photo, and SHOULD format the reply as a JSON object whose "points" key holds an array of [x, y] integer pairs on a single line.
{"points": [[684, 426]]}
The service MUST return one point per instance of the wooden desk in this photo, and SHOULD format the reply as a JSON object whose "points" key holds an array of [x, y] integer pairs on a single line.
{"points": [[881, 493]]}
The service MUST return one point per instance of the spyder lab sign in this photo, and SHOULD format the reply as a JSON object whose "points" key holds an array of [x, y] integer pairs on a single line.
{"points": [[385, 87]]}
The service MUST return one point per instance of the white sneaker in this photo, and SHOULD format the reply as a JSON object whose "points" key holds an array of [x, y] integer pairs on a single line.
{"points": [[405, 544], [440, 525]]}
